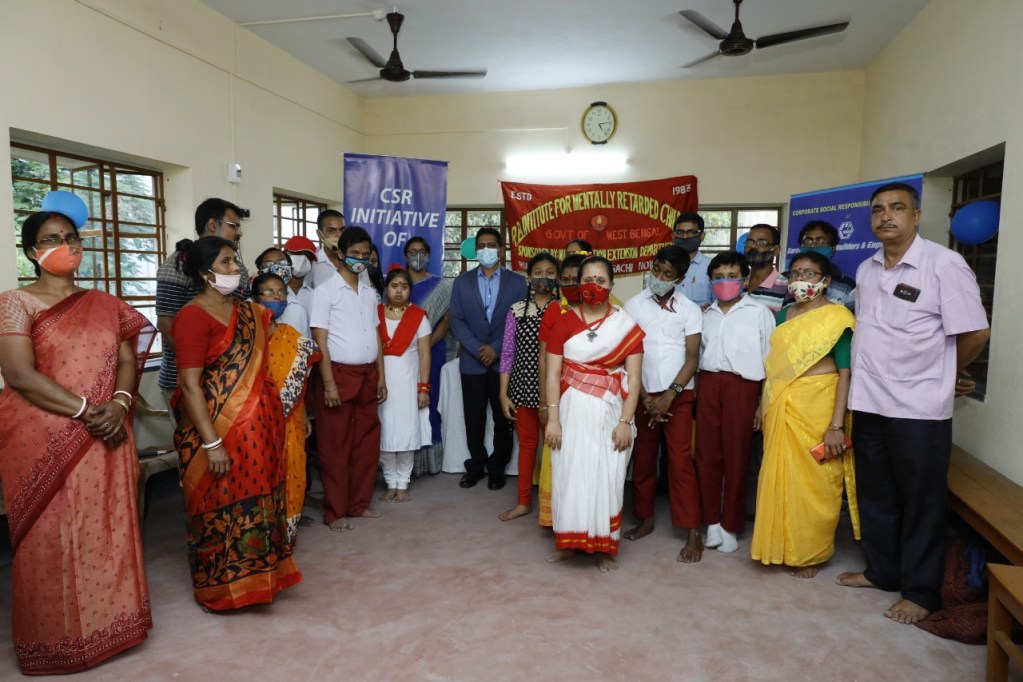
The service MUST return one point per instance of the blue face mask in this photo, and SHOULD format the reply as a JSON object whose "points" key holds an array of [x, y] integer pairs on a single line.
{"points": [[276, 308], [356, 265], [487, 257], [826, 251]]}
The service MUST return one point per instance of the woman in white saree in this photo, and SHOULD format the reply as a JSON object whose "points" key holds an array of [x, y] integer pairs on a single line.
{"points": [[594, 358]]}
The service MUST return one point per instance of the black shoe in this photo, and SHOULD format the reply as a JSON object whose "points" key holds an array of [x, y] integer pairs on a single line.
{"points": [[495, 481], [469, 479]]}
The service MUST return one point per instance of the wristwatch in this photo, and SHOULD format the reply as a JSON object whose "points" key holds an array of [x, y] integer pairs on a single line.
{"points": [[678, 388]]}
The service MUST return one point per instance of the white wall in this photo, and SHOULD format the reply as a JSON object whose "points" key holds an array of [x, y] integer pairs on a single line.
{"points": [[948, 87]]}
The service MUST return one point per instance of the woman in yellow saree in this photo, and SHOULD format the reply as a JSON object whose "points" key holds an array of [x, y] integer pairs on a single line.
{"points": [[804, 405]]}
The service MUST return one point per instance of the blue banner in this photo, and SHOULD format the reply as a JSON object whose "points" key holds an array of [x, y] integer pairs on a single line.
{"points": [[848, 209], [396, 199]]}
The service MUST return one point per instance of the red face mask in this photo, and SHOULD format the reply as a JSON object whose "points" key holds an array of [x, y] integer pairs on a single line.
{"points": [[61, 260], [594, 294], [571, 293]]}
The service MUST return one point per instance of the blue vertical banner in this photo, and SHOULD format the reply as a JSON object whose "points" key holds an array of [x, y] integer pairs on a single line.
{"points": [[848, 209], [396, 199]]}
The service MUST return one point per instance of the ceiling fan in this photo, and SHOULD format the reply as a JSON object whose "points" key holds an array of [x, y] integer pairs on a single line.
{"points": [[393, 70], [735, 43]]}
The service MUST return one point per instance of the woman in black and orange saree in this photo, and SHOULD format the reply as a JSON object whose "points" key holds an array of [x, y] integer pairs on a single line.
{"points": [[71, 359], [230, 437]]}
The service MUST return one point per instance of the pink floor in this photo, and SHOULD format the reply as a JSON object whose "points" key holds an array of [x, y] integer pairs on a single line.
{"points": [[439, 589]]}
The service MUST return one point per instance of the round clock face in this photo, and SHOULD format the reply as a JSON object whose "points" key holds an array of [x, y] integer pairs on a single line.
{"points": [[599, 123]]}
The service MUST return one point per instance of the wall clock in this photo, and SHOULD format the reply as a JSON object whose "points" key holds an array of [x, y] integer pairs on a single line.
{"points": [[599, 123]]}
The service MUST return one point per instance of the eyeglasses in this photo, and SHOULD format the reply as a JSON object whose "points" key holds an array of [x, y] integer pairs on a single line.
{"points": [[416, 252], [228, 222], [273, 293], [803, 275], [815, 241], [688, 234], [55, 241], [762, 243]]}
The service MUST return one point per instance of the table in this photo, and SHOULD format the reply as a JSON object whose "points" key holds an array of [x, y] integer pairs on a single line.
{"points": [[1005, 606], [456, 450]]}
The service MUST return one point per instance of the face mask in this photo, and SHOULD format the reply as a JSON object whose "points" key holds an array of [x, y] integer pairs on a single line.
{"points": [[806, 291], [487, 257], [826, 251], [726, 290], [356, 265], [300, 265], [329, 242], [689, 244], [225, 284], [542, 285], [418, 261], [658, 287], [281, 269], [758, 259], [60, 260], [276, 308], [571, 293], [594, 294]]}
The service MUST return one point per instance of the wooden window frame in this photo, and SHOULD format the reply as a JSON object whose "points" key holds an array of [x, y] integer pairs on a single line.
{"points": [[304, 226], [466, 230]]}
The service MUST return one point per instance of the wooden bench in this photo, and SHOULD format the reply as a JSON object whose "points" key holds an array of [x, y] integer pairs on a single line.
{"points": [[989, 502], [1005, 607]]}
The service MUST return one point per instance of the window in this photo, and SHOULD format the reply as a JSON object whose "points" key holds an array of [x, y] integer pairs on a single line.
{"points": [[123, 242], [723, 226], [976, 185], [462, 223], [295, 217]]}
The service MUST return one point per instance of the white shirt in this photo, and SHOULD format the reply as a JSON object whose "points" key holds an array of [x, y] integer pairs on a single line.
{"points": [[738, 341], [296, 316], [350, 318], [664, 346]]}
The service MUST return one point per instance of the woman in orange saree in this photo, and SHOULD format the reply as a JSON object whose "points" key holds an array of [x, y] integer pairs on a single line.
{"points": [[230, 437], [71, 359], [290, 357]]}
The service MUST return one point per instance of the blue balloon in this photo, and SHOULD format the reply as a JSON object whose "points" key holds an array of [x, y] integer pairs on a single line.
{"points": [[68, 204], [976, 223], [740, 244]]}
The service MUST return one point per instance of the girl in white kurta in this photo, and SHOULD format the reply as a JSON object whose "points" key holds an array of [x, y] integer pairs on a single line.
{"points": [[404, 417]]}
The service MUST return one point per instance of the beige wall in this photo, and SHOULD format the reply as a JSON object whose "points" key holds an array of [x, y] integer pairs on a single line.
{"points": [[949, 87]]}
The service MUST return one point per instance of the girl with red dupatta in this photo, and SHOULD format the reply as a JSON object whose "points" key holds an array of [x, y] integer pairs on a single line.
{"points": [[71, 359], [594, 358], [230, 437], [405, 416]]}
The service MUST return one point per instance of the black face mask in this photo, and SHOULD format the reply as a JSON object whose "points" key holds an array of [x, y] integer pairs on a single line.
{"points": [[758, 259], [689, 244], [543, 285]]}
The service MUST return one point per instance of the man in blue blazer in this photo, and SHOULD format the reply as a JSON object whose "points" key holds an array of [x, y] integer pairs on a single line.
{"points": [[480, 299]]}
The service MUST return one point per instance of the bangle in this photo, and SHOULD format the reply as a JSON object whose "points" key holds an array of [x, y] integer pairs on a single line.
{"points": [[214, 445], [424, 388], [331, 389], [542, 408], [127, 395], [625, 421], [126, 406], [552, 404], [82, 409], [836, 427]]}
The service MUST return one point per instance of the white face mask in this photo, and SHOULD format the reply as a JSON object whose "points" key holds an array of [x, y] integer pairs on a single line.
{"points": [[300, 265], [487, 257], [225, 284]]}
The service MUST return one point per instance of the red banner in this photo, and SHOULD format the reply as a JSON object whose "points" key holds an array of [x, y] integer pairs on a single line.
{"points": [[626, 222]]}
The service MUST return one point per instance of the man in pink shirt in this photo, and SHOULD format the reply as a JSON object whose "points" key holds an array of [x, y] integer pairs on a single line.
{"points": [[919, 323]]}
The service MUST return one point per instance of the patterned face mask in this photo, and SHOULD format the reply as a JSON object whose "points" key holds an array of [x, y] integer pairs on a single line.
{"points": [[806, 291], [281, 269]]}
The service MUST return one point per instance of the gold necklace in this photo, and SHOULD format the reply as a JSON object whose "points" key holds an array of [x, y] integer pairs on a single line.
{"points": [[397, 311]]}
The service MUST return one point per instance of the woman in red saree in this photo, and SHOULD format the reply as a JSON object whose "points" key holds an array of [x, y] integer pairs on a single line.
{"points": [[71, 359], [594, 358], [230, 437]]}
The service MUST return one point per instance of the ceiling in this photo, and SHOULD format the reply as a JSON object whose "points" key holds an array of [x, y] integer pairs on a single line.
{"points": [[541, 44]]}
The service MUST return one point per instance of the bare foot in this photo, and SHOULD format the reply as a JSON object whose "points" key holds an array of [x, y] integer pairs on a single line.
{"points": [[693, 551], [606, 563], [403, 496], [515, 512], [852, 579], [906, 612], [370, 514], [389, 495], [804, 571], [645, 528], [341, 525], [561, 555]]}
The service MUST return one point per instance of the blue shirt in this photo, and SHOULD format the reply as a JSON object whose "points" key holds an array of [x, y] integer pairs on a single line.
{"points": [[489, 287], [696, 284]]}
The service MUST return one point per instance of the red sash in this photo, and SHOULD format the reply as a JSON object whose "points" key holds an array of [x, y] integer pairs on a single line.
{"points": [[405, 334]]}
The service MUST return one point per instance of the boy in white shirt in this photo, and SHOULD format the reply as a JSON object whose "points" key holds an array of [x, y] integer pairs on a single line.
{"points": [[735, 341]]}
